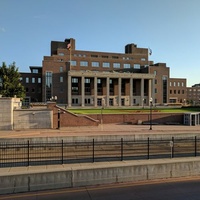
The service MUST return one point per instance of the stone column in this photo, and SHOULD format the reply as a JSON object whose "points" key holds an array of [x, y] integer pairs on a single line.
{"points": [[131, 92], [95, 91], [69, 94], [119, 91], [107, 90], [150, 90], [142, 92], [82, 91]]}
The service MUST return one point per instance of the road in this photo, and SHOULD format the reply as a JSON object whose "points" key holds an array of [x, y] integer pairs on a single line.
{"points": [[171, 189]]}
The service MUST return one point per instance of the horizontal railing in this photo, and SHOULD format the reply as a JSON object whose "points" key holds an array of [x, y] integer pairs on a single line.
{"points": [[63, 152]]}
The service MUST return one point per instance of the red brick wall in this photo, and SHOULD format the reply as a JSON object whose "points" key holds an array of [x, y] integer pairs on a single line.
{"points": [[160, 118], [69, 119]]}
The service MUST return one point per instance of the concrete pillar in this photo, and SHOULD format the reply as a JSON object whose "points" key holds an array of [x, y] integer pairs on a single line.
{"points": [[131, 92], [119, 91], [69, 94], [95, 91], [150, 90], [142, 92], [82, 91], [107, 90]]}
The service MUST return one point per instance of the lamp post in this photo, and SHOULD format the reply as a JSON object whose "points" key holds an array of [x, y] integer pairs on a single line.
{"points": [[54, 98], [151, 104], [184, 100], [58, 118], [143, 103], [102, 107]]}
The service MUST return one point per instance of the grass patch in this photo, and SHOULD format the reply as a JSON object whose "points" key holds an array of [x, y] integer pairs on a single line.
{"points": [[133, 110]]}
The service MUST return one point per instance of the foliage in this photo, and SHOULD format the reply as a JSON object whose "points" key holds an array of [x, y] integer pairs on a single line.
{"points": [[10, 84]]}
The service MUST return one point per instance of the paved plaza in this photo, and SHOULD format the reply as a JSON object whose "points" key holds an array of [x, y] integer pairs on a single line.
{"points": [[105, 129]]}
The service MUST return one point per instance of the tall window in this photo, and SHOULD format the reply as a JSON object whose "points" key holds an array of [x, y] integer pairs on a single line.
{"points": [[164, 80], [73, 62], [75, 88], [39, 80], [174, 84], [87, 86], [61, 69], [61, 79], [33, 80], [48, 78], [27, 79]]}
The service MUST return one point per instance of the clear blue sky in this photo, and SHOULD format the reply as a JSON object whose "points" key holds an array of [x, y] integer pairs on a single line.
{"points": [[171, 28]]}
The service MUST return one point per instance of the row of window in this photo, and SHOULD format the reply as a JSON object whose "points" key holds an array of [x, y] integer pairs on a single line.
{"points": [[102, 56], [33, 80], [190, 95], [177, 92], [176, 84], [75, 101], [194, 90], [105, 64]]}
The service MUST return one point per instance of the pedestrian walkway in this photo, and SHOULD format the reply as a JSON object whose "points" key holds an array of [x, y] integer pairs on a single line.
{"points": [[105, 129]]}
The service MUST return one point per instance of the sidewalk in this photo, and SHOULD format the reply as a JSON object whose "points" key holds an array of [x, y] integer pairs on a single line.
{"points": [[105, 129]]}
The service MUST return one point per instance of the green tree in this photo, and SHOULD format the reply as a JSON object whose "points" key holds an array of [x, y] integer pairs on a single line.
{"points": [[10, 84]]}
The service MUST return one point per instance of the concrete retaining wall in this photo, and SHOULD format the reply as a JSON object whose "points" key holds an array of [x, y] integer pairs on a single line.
{"points": [[103, 137], [96, 173], [6, 112], [33, 119]]}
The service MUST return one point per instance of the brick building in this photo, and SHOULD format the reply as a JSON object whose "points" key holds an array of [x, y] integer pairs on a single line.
{"points": [[177, 90], [91, 79], [33, 84], [193, 94]]}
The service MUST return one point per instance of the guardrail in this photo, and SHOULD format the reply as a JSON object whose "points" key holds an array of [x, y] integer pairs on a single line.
{"points": [[63, 152]]}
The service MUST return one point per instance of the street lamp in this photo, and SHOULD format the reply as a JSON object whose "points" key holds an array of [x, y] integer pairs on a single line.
{"points": [[151, 104], [143, 103], [58, 118], [54, 98]]}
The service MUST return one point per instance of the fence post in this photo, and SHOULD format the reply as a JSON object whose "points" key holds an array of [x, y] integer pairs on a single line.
{"points": [[195, 146], [28, 153], [122, 149], [93, 150], [62, 152], [148, 144]]}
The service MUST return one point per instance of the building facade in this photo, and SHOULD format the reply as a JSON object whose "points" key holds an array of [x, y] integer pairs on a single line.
{"points": [[33, 84], [88, 78], [91, 79], [193, 94], [178, 90]]}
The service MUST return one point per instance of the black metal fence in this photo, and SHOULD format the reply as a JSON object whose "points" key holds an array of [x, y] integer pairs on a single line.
{"points": [[46, 153]]}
